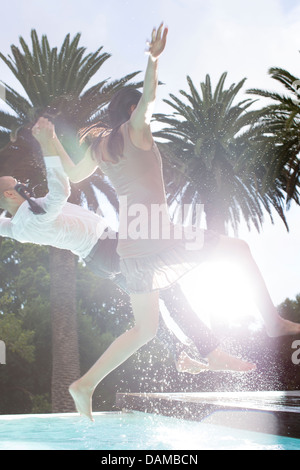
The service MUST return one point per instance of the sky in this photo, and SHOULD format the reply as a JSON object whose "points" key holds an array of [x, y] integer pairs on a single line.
{"points": [[243, 37]]}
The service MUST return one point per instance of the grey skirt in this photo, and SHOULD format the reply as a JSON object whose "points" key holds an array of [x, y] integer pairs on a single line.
{"points": [[160, 270]]}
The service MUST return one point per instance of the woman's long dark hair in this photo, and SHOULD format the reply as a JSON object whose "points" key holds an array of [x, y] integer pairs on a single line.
{"points": [[118, 114]]}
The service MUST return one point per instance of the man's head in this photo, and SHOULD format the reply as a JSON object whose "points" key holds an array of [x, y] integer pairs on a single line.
{"points": [[9, 197]]}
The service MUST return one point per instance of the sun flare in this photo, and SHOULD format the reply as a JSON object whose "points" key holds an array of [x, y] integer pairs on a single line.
{"points": [[220, 293]]}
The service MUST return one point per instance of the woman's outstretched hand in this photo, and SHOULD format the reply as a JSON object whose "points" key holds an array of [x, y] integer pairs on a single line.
{"points": [[158, 42]]}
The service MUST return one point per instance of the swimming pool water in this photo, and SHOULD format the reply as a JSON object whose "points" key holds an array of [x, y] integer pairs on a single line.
{"points": [[130, 431]]}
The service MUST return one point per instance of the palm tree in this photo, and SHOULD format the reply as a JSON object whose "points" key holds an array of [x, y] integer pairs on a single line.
{"points": [[208, 139], [277, 132], [54, 82]]}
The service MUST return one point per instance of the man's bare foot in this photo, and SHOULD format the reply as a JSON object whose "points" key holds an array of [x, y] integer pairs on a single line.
{"points": [[282, 327], [218, 360], [82, 398], [187, 365]]}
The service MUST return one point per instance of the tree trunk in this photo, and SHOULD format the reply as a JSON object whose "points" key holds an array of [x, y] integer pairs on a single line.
{"points": [[65, 350]]}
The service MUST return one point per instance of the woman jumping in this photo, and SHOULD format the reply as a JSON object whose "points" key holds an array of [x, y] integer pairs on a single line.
{"points": [[130, 158]]}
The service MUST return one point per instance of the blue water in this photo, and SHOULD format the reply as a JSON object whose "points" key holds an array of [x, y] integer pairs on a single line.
{"points": [[130, 431]]}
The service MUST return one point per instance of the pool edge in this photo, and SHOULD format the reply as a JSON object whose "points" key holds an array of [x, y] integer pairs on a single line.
{"points": [[253, 411]]}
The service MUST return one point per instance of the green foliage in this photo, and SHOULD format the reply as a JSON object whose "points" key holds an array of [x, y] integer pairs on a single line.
{"points": [[277, 134], [54, 80], [17, 340], [209, 136], [103, 314], [25, 324], [41, 404], [24, 287], [290, 309]]}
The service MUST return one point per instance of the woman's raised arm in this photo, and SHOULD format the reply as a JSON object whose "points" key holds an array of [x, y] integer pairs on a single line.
{"points": [[141, 116]]}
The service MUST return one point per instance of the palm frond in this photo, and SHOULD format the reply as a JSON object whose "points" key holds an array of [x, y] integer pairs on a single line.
{"points": [[55, 83], [215, 140]]}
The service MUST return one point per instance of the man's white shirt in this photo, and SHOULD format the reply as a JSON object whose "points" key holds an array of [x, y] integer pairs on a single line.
{"points": [[65, 226]]}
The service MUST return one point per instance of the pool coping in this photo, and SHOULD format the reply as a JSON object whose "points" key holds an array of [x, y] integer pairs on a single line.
{"points": [[53, 415], [252, 411]]}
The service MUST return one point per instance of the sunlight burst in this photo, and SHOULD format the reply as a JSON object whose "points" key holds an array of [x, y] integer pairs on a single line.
{"points": [[221, 295]]}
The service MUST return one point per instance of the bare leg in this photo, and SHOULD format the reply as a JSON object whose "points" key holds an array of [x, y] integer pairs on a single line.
{"points": [[146, 312], [239, 251]]}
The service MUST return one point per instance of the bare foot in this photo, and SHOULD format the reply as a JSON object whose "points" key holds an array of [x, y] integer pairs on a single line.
{"points": [[218, 360], [187, 365], [83, 399], [283, 327]]}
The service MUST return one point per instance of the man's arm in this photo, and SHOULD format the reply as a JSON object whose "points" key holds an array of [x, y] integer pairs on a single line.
{"points": [[5, 227], [58, 182]]}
